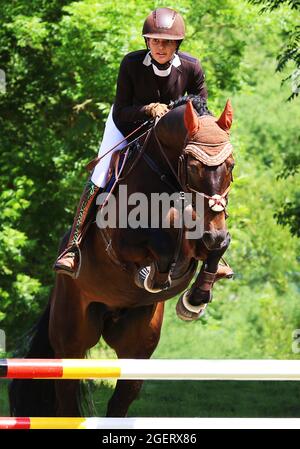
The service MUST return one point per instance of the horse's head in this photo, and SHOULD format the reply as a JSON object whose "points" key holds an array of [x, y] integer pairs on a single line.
{"points": [[207, 166]]}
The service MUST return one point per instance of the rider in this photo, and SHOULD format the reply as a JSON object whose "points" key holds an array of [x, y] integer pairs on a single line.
{"points": [[148, 80]]}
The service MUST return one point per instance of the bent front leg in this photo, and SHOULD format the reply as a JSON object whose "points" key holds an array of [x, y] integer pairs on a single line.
{"points": [[201, 291], [192, 303]]}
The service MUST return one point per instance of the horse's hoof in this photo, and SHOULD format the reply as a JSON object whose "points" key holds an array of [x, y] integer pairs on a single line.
{"points": [[186, 311]]}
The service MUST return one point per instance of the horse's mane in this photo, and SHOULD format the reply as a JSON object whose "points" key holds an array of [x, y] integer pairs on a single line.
{"points": [[198, 102]]}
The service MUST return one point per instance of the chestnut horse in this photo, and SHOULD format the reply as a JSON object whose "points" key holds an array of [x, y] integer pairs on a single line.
{"points": [[126, 274]]}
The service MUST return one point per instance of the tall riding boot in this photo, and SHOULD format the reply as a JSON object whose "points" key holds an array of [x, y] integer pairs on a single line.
{"points": [[68, 262]]}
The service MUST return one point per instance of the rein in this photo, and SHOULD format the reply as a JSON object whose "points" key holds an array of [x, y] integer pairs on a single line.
{"points": [[92, 164], [166, 158], [216, 202]]}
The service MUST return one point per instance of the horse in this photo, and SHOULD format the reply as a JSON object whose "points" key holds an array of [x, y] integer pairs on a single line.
{"points": [[127, 274]]}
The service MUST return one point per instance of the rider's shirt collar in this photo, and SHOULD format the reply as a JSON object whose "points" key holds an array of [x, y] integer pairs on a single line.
{"points": [[161, 71]]}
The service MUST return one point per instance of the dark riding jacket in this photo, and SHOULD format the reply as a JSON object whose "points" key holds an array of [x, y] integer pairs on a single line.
{"points": [[138, 86]]}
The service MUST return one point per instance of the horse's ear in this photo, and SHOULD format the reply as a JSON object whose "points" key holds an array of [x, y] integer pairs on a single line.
{"points": [[226, 117], [191, 120]]}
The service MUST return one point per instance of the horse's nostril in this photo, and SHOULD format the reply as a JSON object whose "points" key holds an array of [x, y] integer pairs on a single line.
{"points": [[208, 240], [206, 237]]}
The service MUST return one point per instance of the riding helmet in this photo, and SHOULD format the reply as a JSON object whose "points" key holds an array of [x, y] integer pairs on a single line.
{"points": [[164, 23]]}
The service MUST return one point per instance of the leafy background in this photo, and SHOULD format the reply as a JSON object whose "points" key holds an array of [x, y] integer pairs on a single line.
{"points": [[61, 61]]}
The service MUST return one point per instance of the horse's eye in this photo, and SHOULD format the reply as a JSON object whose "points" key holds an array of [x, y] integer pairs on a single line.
{"points": [[231, 167], [193, 168]]}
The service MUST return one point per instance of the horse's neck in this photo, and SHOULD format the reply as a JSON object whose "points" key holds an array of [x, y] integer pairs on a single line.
{"points": [[171, 133]]}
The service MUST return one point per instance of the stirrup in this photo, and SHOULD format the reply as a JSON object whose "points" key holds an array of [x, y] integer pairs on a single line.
{"points": [[141, 276]]}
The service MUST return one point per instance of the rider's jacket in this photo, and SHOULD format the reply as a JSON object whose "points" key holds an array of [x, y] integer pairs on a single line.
{"points": [[138, 85]]}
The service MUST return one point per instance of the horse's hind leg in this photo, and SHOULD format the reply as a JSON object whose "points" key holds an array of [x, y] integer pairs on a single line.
{"points": [[135, 335], [75, 326]]}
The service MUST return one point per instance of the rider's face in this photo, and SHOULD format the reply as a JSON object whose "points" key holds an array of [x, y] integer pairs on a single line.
{"points": [[162, 50]]}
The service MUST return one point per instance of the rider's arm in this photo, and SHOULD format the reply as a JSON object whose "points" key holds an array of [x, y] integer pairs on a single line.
{"points": [[124, 109]]}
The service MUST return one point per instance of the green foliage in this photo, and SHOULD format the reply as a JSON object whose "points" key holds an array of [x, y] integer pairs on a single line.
{"points": [[61, 60], [291, 41], [289, 214], [215, 32], [289, 58], [29, 31], [270, 5]]}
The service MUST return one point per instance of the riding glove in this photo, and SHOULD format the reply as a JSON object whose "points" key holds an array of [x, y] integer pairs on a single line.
{"points": [[156, 109]]}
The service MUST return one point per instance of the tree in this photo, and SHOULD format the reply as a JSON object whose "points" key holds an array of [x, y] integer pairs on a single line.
{"points": [[61, 61], [289, 213], [291, 45]]}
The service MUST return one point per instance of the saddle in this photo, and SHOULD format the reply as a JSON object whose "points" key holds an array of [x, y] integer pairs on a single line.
{"points": [[122, 162]]}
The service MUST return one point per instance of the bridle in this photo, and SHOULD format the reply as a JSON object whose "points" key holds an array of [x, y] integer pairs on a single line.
{"points": [[214, 201], [217, 202]]}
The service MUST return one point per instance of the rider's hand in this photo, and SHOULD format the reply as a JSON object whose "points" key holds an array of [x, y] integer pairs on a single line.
{"points": [[156, 109]]}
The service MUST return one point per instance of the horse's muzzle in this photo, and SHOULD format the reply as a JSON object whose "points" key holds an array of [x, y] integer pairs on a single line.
{"points": [[216, 240]]}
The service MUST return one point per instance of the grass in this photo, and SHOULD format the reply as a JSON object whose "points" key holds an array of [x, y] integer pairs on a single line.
{"points": [[217, 399], [200, 399], [4, 409]]}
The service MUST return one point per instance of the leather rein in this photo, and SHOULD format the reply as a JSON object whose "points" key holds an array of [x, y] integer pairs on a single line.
{"points": [[181, 180], [216, 202]]}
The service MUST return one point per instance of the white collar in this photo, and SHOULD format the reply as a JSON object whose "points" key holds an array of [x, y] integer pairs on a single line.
{"points": [[176, 63]]}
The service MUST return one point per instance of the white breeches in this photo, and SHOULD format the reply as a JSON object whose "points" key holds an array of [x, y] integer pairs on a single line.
{"points": [[111, 137]]}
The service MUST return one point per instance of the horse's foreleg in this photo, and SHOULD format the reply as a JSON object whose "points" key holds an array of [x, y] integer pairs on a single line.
{"points": [[201, 291], [136, 336], [73, 329], [192, 303]]}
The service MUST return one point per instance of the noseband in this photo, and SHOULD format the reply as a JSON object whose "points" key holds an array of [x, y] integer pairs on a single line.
{"points": [[216, 202]]}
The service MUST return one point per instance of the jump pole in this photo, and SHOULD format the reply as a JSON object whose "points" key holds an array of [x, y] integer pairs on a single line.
{"points": [[153, 369], [149, 423]]}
